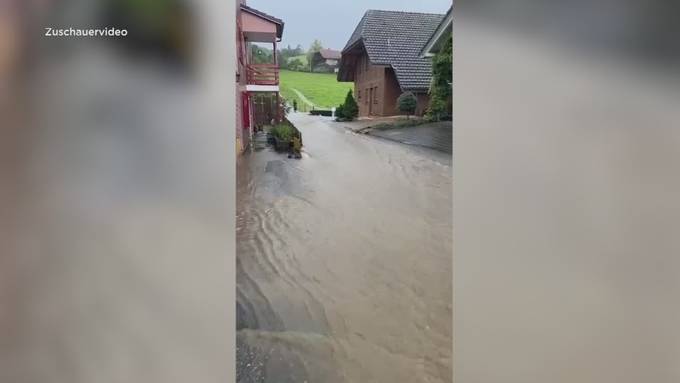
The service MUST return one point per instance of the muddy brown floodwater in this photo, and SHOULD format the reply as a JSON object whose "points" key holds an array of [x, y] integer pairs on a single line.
{"points": [[344, 261]]}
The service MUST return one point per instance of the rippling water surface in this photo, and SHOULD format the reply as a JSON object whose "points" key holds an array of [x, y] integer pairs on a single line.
{"points": [[344, 261]]}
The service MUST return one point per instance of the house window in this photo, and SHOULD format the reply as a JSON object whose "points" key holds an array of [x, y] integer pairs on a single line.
{"points": [[375, 95], [359, 95], [366, 101]]}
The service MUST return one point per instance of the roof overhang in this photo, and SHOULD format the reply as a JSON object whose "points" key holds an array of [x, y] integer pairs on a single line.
{"points": [[278, 22], [439, 36], [348, 60]]}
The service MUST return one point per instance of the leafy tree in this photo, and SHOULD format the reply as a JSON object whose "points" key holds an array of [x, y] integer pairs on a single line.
{"points": [[440, 90], [296, 64], [407, 103], [315, 47], [287, 53]]}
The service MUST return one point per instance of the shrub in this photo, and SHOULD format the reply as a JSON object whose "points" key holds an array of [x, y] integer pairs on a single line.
{"points": [[282, 132], [349, 110], [340, 112], [407, 103]]}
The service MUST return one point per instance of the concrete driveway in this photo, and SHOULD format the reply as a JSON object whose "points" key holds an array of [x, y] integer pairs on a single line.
{"points": [[436, 135]]}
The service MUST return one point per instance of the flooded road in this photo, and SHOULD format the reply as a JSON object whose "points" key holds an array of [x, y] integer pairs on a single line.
{"points": [[344, 261]]}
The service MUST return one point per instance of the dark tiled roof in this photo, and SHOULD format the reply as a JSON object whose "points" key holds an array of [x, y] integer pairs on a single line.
{"points": [[396, 39], [275, 20], [330, 54], [445, 23]]}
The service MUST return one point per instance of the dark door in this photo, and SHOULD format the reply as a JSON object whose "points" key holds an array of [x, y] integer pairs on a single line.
{"points": [[370, 101]]}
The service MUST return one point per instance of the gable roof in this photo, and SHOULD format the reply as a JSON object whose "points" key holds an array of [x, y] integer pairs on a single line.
{"points": [[277, 21], [396, 39], [330, 54]]}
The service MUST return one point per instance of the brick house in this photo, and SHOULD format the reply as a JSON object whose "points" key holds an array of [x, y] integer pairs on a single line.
{"points": [[383, 59], [257, 84]]}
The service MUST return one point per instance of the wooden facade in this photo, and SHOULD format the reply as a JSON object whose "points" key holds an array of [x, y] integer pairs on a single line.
{"points": [[376, 89]]}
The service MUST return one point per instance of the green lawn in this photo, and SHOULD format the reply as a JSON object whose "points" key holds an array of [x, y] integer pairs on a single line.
{"points": [[322, 89]]}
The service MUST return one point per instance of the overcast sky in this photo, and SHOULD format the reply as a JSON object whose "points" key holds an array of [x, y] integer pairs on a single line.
{"points": [[332, 21]]}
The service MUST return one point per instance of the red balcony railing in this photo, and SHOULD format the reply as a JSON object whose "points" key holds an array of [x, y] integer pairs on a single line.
{"points": [[263, 74]]}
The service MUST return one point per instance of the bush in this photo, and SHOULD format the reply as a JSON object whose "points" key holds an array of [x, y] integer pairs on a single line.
{"points": [[350, 107], [283, 132], [407, 103], [349, 110], [340, 112], [296, 65]]}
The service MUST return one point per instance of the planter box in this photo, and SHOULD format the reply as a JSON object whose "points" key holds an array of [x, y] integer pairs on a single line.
{"points": [[280, 145]]}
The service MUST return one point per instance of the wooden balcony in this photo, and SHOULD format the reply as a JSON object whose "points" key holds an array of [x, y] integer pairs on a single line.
{"points": [[262, 74]]}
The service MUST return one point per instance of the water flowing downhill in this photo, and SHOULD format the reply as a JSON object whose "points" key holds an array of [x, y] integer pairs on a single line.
{"points": [[344, 260]]}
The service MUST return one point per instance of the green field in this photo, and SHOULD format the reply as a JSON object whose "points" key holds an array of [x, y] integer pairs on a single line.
{"points": [[322, 89]]}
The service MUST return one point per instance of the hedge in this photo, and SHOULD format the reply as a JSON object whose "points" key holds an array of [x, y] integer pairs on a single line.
{"points": [[321, 112]]}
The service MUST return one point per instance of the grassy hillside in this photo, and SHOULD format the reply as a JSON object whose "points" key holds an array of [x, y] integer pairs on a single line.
{"points": [[322, 89]]}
